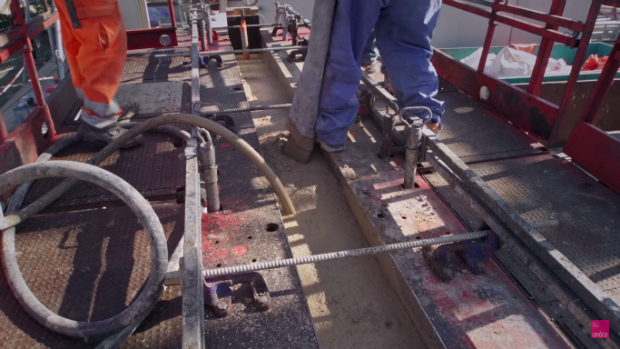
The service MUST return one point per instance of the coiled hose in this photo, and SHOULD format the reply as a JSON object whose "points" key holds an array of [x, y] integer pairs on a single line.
{"points": [[44, 201], [133, 199]]}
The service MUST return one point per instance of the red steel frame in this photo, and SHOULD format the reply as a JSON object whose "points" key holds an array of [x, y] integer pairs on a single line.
{"points": [[27, 141], [138, 39], [589, 146], [523, 107]]}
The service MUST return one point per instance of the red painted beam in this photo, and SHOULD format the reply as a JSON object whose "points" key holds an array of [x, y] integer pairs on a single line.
{"points": [[517, 23], [580, 58], [544, 51], [597, 152], [531, 113], [149, 38], [554, 19], [603, 85]]}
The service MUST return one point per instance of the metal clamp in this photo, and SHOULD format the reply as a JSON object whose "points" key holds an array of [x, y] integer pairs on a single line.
{"points": [[218, 293], [444, 262], [413, 145]]}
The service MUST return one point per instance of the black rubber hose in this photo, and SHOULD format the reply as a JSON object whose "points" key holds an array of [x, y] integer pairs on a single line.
{"points": [[44, 201], [132, 198]]}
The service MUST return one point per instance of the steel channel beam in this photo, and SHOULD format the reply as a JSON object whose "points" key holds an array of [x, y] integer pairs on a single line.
{"points": [[192, 282], [589, 292], [566, 297]]}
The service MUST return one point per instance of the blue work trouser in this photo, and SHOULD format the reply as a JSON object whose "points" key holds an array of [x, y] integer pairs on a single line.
{"points": [[403, 29]]}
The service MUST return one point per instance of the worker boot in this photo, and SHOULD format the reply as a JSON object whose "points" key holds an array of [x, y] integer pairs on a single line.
{"points": [[106, 135], [331, 148]]}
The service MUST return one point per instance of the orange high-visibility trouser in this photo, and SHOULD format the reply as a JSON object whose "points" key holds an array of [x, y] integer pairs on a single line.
{"points": [[96, 53]]}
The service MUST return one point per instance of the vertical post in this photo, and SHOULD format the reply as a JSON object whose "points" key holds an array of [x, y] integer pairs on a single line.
{"points": [[60, 52], [304, 112], [603, 85], [173, 19], [243, 28], [544, 51], [580, 58], [487, 40], [413, 135]]}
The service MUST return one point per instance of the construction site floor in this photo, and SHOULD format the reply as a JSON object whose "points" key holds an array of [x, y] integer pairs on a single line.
{"points": [[86, 256]]}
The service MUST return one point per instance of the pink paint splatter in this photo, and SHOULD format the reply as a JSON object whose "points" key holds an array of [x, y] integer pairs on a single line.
{"points": [[239, 250]]}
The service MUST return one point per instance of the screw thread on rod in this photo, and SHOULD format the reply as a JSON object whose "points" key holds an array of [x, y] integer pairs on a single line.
{"points": [[240, 269]]}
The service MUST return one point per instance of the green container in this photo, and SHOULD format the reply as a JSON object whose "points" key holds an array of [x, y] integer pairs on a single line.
{"points": [[559, 51]]}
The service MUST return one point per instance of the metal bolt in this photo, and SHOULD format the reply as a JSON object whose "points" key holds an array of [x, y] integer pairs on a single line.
{"points": [[221, 306]]}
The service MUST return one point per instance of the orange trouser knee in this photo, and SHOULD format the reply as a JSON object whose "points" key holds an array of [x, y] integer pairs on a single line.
{"points": [[96, 52]]}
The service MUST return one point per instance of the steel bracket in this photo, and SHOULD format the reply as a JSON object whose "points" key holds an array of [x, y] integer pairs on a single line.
{"points": [[218, 292], [445, 259]]}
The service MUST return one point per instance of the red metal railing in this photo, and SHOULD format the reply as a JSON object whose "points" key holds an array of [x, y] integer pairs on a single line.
{"points": [[39, 130], [535, 115], [590, 147]]}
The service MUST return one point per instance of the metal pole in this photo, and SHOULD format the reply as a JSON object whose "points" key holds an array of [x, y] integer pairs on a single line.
{"points": [[244, 38], [251, 50], [487, 41], [413, 135], [173, 19], [60, 51], [206, 155], [202, 34], [305, 109], [580, 58], [544, 51]]}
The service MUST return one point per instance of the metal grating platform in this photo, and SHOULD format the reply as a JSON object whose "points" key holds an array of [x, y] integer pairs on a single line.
{"points": [[248, 230], [142, 66], [543, 188], [474, 134], [88, 266], [159, 174]]}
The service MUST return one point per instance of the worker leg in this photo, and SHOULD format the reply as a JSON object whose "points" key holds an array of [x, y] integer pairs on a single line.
{"points": [[404, 31], [101, 44], [353, 22]]}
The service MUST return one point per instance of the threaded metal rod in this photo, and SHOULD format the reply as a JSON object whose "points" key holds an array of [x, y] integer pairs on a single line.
{"points": [[246, 109], [241, 269]]}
